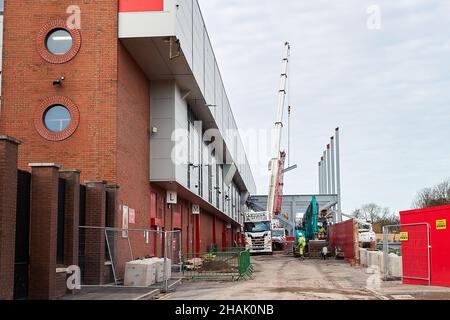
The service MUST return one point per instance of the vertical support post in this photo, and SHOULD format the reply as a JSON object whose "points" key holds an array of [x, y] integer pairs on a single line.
{"points": [[338, 174], [95, 238], [43, 230], [112, 220], [320, 177], [333, 171], [166, 281], [385, 252], [8, 203], [329, 169], [71, 215], [325, 178], [429, 254]]}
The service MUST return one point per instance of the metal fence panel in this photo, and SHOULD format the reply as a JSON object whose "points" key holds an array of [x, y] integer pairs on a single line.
{"points": [[408, 259], [234, 264], [106, 253]]}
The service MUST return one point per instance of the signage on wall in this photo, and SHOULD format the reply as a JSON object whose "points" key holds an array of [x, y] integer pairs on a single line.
{"points": [[125, 222], [171, 197], [131, 216], [404, 236], [195, 209], [141, 5], [441, 224]]}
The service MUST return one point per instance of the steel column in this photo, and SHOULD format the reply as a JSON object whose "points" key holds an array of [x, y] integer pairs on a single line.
{"points": [[338, 173]]}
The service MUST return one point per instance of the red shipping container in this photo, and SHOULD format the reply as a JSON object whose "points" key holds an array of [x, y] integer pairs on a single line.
{"points": [[415, 251]]}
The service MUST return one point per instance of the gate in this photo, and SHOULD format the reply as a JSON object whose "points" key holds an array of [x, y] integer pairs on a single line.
{"points": [[22, 258], [410, 259]]}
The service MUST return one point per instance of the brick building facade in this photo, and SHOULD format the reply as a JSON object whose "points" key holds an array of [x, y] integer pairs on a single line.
{"points": [[97, 113]]}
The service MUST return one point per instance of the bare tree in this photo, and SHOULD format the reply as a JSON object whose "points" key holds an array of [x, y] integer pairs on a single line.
{"points": [[377, 216], [430, 197], [369, 212]]}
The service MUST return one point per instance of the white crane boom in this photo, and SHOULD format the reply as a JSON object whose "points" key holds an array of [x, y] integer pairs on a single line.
{"points": [[276, 164]]}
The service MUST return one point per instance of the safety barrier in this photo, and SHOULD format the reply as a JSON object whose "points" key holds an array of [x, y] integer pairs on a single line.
{"points": [[233, 265]]}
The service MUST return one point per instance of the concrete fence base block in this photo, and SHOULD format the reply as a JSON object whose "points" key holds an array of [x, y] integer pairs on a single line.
{"points": [[395, 267], [363, 257]]}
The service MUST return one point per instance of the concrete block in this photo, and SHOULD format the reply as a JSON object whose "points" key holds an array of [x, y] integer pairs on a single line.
{"points": [[395, 267], [375, 259], [363, 257], [140, 274]]}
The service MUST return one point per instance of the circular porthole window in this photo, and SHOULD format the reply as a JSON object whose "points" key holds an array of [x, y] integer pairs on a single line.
{"points": [[56, 43], [59, 41], [57, 118]]}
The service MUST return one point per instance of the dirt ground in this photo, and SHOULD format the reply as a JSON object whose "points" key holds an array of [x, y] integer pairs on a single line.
{"points": [[287, 278]]}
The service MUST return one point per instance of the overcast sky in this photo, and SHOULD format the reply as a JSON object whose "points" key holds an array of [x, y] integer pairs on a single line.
{"points": [[387, 89]]}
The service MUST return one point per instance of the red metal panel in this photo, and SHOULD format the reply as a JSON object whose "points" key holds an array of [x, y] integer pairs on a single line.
{"points": [[415, 254], [214, 230], [197, 233], [141, 5], [439, 240], [153, 205], [343, 235], [224, 236], [176, 219]]}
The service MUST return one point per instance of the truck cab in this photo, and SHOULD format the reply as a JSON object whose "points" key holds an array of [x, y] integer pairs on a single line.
{"points": [[278, 238], [258, 232]]}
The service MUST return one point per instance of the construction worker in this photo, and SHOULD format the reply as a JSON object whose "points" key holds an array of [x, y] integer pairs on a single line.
{"points": [[324, 253], [321, 232], [301, 246]]}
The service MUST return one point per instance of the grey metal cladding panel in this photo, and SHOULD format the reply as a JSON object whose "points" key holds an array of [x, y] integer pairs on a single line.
{"points": [[210, 63], [205, 174], [165, 128], [184, 28], [162, 148], [218, 84], [181, 174], [162, 170], [199, 47], [229, 136]]}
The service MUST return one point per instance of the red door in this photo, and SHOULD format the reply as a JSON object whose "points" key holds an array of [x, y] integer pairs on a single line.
{"points": [[197, 233], [224, 237], [214, 230], [415, 254]]}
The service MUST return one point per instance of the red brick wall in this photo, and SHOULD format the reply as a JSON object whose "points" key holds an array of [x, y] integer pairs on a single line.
{"points": [[43, 232], [8, 189], [91, 83], [133, 141]]}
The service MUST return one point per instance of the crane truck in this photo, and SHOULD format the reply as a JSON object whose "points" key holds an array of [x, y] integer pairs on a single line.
{"points": [[257, 225]]}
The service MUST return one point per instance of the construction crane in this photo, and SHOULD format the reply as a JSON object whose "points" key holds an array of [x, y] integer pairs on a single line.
{"points": [[258, 225], [276, 164]]}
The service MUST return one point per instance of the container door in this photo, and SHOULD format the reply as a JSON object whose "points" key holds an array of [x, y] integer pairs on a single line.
{"points": [[415, 254]]}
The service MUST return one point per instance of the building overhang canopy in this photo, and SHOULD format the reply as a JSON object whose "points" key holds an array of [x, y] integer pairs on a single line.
{"points": [[168, 40]]}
